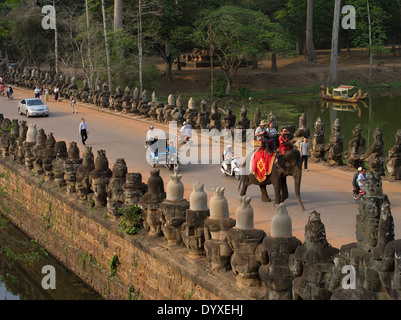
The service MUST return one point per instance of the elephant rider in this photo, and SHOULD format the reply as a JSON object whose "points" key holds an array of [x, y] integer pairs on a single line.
{"points": [[260, 131], [271, 134], [285, 143]]}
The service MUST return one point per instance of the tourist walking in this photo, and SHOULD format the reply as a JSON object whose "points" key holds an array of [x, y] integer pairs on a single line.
{"points": [[47, 94], [74, 105], [37, 92], [56, 93], [304, 147], [83, 130]]}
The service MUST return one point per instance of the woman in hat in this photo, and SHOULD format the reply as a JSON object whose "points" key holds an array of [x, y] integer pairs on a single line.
{"points": [[284, 142]]}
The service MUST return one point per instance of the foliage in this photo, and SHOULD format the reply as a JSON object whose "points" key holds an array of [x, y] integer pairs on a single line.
{"points": [[133, 295], [114, 263], [131, 219], [236, 35], [219, 86]]}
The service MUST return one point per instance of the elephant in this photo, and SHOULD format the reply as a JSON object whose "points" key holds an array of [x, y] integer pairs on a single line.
{"points": [[285, 165]]}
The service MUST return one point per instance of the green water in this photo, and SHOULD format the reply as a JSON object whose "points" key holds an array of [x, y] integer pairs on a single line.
{"points": [[380, 109], [21, 263]]}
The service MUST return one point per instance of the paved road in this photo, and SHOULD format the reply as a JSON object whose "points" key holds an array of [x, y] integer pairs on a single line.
{"points": [[324, 189]]}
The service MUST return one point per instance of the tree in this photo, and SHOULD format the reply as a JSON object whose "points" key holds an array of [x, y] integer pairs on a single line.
{"points": [[310, 47], [236, 35], [370, 29], [106, 41], [334, 43], [88, 30]]}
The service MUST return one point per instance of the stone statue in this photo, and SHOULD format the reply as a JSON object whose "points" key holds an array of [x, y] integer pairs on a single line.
{"points": [[173, 210], [133, 188], [218, 251], [312, 262], [393, 161], [88, 165], [256, 118], [274, 253], [215, 118], [301, 133], [334, 149], [192, 230], [356, 148], [151, 201], [243, 240], [374, 154], [318, 143], [115, 191], [99, 178]]}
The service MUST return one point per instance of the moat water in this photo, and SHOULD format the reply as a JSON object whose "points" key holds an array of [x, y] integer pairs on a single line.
{"points": [[381, 109], [21, 277]]}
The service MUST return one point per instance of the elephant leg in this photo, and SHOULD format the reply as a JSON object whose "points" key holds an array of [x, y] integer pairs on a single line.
{"points": [[265, 196], [284, 189], [244, 187]]}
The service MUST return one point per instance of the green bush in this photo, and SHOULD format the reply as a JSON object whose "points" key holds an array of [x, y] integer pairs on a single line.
{"points": [[131, 220], [219, 86]]}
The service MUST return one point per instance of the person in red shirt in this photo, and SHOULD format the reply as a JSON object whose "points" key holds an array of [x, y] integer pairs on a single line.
{"points": [[285, 144]]}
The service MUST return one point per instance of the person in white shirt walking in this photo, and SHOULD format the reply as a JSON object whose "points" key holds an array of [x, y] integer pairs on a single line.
{"points": [[304, 148], [74, 104], [83, 131]]}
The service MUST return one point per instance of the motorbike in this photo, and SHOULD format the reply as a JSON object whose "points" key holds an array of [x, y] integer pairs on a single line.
{"points": [[10, 95], [233, 170], [185, 140], [157, 154]]}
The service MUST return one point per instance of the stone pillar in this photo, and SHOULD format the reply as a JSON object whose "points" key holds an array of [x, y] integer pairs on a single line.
{"points": [[218, 251], [356, 148], [5, 137], [301, 133], [334, 149], [173, 210], [317, 152], [151, 201], [393, 161], [49, 155], [243, 240], [82, 175], [37, 150], [14, 135], [274, 255], [192, 230], [312, 263], [133, 188], [70, 167], [374, 154], [115, 192], [60, 149], [20, 155], [375, 256], [29, 142], [99, 178]]}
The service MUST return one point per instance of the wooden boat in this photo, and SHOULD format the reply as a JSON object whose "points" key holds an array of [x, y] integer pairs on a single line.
{"points": [[341, 94]]}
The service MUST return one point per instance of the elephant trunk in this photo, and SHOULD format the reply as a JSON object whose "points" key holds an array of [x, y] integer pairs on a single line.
{"points": [[297, 181]]}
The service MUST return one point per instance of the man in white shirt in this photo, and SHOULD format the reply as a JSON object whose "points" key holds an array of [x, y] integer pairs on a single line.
{"points": [[83, 131]]}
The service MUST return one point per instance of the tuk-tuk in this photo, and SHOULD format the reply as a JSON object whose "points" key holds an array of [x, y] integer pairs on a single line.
{"points": [[162, 150]]}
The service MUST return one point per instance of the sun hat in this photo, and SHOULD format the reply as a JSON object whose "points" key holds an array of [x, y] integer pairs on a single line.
{"points": [[263, 123]]}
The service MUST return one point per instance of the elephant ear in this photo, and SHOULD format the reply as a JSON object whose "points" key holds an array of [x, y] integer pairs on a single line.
{"points": [[281, 162]]}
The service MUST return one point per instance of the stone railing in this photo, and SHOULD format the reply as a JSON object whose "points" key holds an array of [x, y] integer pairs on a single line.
{"points": [[266, 266]]}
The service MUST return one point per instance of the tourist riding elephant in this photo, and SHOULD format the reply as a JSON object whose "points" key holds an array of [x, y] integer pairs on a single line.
{"points": [[285, 165]]}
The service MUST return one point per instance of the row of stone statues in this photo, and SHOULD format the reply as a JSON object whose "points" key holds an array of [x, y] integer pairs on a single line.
{"points": [[278, 264], [357, 154], [134, 102]]}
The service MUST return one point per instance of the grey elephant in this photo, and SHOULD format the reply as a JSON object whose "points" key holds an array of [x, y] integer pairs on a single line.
{"points": [[284, 165]]}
